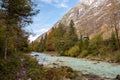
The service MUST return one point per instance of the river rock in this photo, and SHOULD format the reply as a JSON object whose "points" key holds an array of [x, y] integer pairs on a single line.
{"points": [[36, 55], [118, 77]]}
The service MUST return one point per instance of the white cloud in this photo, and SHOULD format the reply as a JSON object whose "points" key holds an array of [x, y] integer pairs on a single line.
{"points": [[57, 3], [33, 37], [62, 5]]}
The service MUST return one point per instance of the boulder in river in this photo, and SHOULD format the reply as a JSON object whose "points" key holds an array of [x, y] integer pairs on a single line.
{"points": [[36, 55], [118, 77]]}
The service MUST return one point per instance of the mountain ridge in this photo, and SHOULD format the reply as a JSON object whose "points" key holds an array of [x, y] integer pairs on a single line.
{"points": [[90, 17]]}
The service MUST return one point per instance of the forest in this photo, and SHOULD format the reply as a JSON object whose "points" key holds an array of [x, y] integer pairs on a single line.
{"points": [[65, 42], [15, 62]]}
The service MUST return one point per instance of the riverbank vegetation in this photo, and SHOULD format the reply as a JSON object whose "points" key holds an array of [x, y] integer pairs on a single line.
{"points": [[64, 41], [11, 69], [14, 63], [39, 72], [14, 16], [13, 36]]}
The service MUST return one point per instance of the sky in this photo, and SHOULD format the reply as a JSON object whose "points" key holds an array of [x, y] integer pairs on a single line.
{"points": [[50, 12]]}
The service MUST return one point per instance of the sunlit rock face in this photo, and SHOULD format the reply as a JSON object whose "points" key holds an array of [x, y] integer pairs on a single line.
{"points": [[88, 2], [90, 17]]}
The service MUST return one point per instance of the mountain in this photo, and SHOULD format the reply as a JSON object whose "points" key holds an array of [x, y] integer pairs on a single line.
{"points": [[90, 17]]}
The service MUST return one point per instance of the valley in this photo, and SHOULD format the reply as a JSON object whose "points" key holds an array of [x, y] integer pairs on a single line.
{"points": [[65, 41]]}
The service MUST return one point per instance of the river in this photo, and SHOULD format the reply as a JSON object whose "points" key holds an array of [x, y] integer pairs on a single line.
{"points": [[102, 69]]}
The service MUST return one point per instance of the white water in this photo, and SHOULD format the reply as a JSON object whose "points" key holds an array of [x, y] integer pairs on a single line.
{"points": [[101, 69]]}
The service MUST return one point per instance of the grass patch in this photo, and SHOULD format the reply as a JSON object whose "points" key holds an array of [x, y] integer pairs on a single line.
{"points": [[9, 67], [34, 71]]}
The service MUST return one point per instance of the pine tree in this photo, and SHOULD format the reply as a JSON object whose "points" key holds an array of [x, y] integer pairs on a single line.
{"points": [[50, 45], [40, 47], [112, 43], [59, 40], [44, 42], [2, 30], [80, 43], [86, 42], [115, 19], [18, 13], [70, 36]]}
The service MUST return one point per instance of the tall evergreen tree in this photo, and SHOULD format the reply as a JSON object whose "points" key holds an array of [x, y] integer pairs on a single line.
{"points": [[86, 42], [112, 42], [115, 19], [80, 43], [50, 45], [40, 47], [19, 13], [2, 30], [70, 36], [42, 44], [59, 40]]}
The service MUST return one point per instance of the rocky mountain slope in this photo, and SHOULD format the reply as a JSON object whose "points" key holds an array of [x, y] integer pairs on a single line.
{"points": [[90, 17]]}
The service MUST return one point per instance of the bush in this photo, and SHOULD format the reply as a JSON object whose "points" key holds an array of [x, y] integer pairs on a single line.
{"points": [[73, 52], [32, 72], [117, 57], [112, 42], [9, 67], [30, 62], [84, 53], [103, 52], [32, 68]]}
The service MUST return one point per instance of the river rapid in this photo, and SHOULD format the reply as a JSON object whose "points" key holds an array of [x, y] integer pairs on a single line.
{"points": [[102, 69]]}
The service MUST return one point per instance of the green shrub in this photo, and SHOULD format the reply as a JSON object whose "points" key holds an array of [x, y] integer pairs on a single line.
{"points": [[30, 62], [9, 67], [32, 68], [34, 73], [84, 53], [112, 42], [103, 52], [117, 57], [73, 52]]}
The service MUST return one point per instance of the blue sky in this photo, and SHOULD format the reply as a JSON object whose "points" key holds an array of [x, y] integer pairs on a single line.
{"points": [[50, 12]]}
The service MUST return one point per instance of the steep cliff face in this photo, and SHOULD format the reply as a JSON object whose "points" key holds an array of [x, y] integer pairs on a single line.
{"points": [[90, 17]]}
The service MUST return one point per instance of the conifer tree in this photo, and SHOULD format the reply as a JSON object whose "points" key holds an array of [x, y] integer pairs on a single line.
{"points": [[50, 45], [19, 13], [59, 40], [40, 47], [112, 43], [80, 43], [70, 36], [115, 19], [86, 42]]}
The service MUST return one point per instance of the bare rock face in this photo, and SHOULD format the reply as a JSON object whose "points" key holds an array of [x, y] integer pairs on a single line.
{"points": [[90, 17]]}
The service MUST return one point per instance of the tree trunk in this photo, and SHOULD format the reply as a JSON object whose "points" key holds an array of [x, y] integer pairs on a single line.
{"points": [[15, 43], [117, 37], [6, 38], [6, 44], [116, 27]]}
